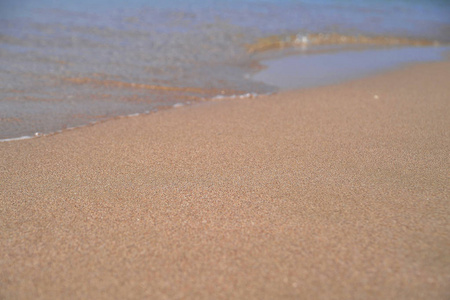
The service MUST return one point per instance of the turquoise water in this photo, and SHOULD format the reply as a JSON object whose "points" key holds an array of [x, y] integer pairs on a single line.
{"points": [[69, 63]]}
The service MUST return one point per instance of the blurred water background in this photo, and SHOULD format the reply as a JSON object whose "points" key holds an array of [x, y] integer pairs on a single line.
{"points": [[69, 63]]}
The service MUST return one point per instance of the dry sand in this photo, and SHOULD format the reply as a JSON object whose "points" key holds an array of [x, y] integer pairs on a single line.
{"points": [[327, 193]]}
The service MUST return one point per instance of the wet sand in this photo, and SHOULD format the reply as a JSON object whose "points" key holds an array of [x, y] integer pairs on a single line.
{"points": [[338, 192]]}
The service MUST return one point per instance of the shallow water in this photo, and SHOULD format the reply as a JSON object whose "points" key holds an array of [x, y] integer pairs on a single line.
{"points": [[69, 63], [305, 70]]}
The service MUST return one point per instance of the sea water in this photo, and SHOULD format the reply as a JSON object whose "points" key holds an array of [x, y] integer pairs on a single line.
{"points": [[70, 63]]}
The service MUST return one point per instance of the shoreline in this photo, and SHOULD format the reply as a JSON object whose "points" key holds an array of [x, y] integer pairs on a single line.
{"points": [[82, 63], [112, 118], [282, 73], [332, 192]]}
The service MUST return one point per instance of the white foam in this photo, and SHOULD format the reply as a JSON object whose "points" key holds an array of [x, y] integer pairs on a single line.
{"points": [[243, 96], [248, 95], [301, 39], [26, 137]]}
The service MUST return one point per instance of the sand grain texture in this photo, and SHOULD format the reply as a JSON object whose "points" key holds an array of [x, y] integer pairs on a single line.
{"points": [[328, 193]]}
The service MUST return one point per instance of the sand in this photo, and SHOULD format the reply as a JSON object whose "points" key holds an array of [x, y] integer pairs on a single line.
{"points": [[339, 192]]}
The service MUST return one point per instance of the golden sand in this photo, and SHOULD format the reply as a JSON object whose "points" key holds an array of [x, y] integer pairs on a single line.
{"points": [[339, 192]]}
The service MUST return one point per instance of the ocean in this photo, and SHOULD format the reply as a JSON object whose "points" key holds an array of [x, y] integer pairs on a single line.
{"points": [[66, 64]]}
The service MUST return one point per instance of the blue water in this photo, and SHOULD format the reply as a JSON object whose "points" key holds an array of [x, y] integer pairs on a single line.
{"points": [[68, 63], [302, 70]]}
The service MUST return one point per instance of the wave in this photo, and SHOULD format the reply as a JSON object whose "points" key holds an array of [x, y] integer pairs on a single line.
{"points": [[275, 42]]}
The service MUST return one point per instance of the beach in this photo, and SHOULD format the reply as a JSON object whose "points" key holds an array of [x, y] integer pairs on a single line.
{"points": [[337, 192], [67, 64]]}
